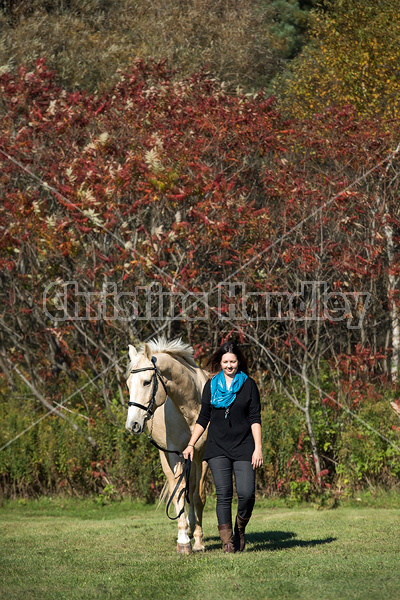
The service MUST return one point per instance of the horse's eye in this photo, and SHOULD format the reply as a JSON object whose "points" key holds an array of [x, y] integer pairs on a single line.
{"points": [[146, 382]]}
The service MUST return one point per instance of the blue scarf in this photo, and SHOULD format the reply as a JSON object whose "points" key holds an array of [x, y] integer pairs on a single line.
{"points": [[220, 396]]}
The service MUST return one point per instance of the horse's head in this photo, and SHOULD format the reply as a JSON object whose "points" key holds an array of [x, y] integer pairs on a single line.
{"points": [[146, 389]]}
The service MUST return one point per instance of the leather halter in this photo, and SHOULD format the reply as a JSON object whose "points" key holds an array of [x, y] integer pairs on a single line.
{"points": [[151, 407]]}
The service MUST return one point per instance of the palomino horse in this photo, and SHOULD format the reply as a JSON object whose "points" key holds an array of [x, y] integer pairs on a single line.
{"points": [[176, 406]]}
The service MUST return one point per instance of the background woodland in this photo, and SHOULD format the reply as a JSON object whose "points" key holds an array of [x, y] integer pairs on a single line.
{"points": [[181, 145]]}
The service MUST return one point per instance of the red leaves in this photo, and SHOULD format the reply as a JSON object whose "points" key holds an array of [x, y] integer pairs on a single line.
{"points": [[197, 184], [331, 402], [101, 109], [300, 343]]}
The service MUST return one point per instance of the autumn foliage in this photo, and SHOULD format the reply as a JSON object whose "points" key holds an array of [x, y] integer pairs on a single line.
{"points": [[180, 185], [352, 58]]}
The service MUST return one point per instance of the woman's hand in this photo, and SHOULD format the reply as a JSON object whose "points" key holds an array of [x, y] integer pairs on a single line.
{"points": [[188, 452], [257, 458]]}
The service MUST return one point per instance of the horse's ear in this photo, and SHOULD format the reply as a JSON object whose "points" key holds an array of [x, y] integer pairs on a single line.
{"points": [[147, 351], [132, 352]]}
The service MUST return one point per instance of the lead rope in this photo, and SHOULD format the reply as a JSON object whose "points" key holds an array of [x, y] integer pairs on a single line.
{"points": [[185, 474], [185, 490]]}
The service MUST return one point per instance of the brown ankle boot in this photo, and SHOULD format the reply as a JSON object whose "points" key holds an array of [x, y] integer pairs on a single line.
{"points": [[226, 535], [239, 539]]}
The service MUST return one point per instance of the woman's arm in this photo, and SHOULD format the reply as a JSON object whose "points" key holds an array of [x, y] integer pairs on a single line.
{"points": [[255, 424], [202, 421], [189, 450], [257, 458]]}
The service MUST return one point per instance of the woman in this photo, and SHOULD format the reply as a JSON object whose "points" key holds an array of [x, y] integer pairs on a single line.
{"points": [[231, 405]]}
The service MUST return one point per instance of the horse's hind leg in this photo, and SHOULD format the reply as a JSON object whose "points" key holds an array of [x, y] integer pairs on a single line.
{"points": [[173, 471]]}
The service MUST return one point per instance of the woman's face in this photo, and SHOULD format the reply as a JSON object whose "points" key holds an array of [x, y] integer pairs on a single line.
{"points": [[229, 364]]}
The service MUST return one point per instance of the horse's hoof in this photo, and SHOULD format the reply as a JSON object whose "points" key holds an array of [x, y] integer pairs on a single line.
{"points": [[199, 549], [184, 548]]}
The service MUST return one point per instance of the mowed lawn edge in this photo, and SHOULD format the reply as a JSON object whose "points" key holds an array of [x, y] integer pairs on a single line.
{"points": [[82, 550]]}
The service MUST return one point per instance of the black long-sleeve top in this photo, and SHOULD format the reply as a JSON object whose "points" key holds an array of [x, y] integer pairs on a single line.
{"points": [[231, 436]]}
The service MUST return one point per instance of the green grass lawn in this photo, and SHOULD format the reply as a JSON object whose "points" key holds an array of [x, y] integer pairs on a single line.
{"points": [[79, 549]]}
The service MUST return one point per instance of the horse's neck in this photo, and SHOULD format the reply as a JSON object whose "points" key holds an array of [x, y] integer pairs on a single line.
{"points": [[185, 386]]}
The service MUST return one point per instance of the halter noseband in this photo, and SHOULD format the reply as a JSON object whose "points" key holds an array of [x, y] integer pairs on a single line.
{"points": [[151, 407]]}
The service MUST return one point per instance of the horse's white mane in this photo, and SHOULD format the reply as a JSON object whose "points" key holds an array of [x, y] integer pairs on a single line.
{"points": [[161, 344], [175, 347]]}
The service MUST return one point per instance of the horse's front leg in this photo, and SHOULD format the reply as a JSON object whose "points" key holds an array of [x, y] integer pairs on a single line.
{"points": [[183, 543], [173, 471], [197, 503], [191, 518]]}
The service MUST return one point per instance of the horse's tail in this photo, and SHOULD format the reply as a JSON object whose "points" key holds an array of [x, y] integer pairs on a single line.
{"points": [[163, 495]]}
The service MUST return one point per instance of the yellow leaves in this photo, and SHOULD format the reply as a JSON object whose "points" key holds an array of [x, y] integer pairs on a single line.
{"points": [[352, 58]]}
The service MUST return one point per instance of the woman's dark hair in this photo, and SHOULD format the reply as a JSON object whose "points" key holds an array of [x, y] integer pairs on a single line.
{"points": [[214, 362]]}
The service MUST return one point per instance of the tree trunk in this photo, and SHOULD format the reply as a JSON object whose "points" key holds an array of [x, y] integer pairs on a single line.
{"points": [[307, 413], [393, 310]]}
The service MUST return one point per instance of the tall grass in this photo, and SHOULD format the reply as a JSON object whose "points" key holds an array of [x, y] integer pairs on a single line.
{"points": [[87, 41]]}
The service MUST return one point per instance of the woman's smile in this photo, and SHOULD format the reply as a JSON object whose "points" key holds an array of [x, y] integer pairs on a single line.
{"points": [[229, 364]]}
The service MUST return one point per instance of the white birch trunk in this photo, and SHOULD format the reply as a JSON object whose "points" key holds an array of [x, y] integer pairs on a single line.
{"points": [[393, 310]]}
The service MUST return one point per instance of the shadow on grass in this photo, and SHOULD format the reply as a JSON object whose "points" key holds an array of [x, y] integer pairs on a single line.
{"points": [[271, 540]]}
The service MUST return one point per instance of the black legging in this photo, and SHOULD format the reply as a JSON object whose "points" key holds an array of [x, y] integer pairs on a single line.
{"points": [[245, 481]]}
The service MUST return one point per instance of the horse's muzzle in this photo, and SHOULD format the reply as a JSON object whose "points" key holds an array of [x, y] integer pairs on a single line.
{"points": [[136, 428]]}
